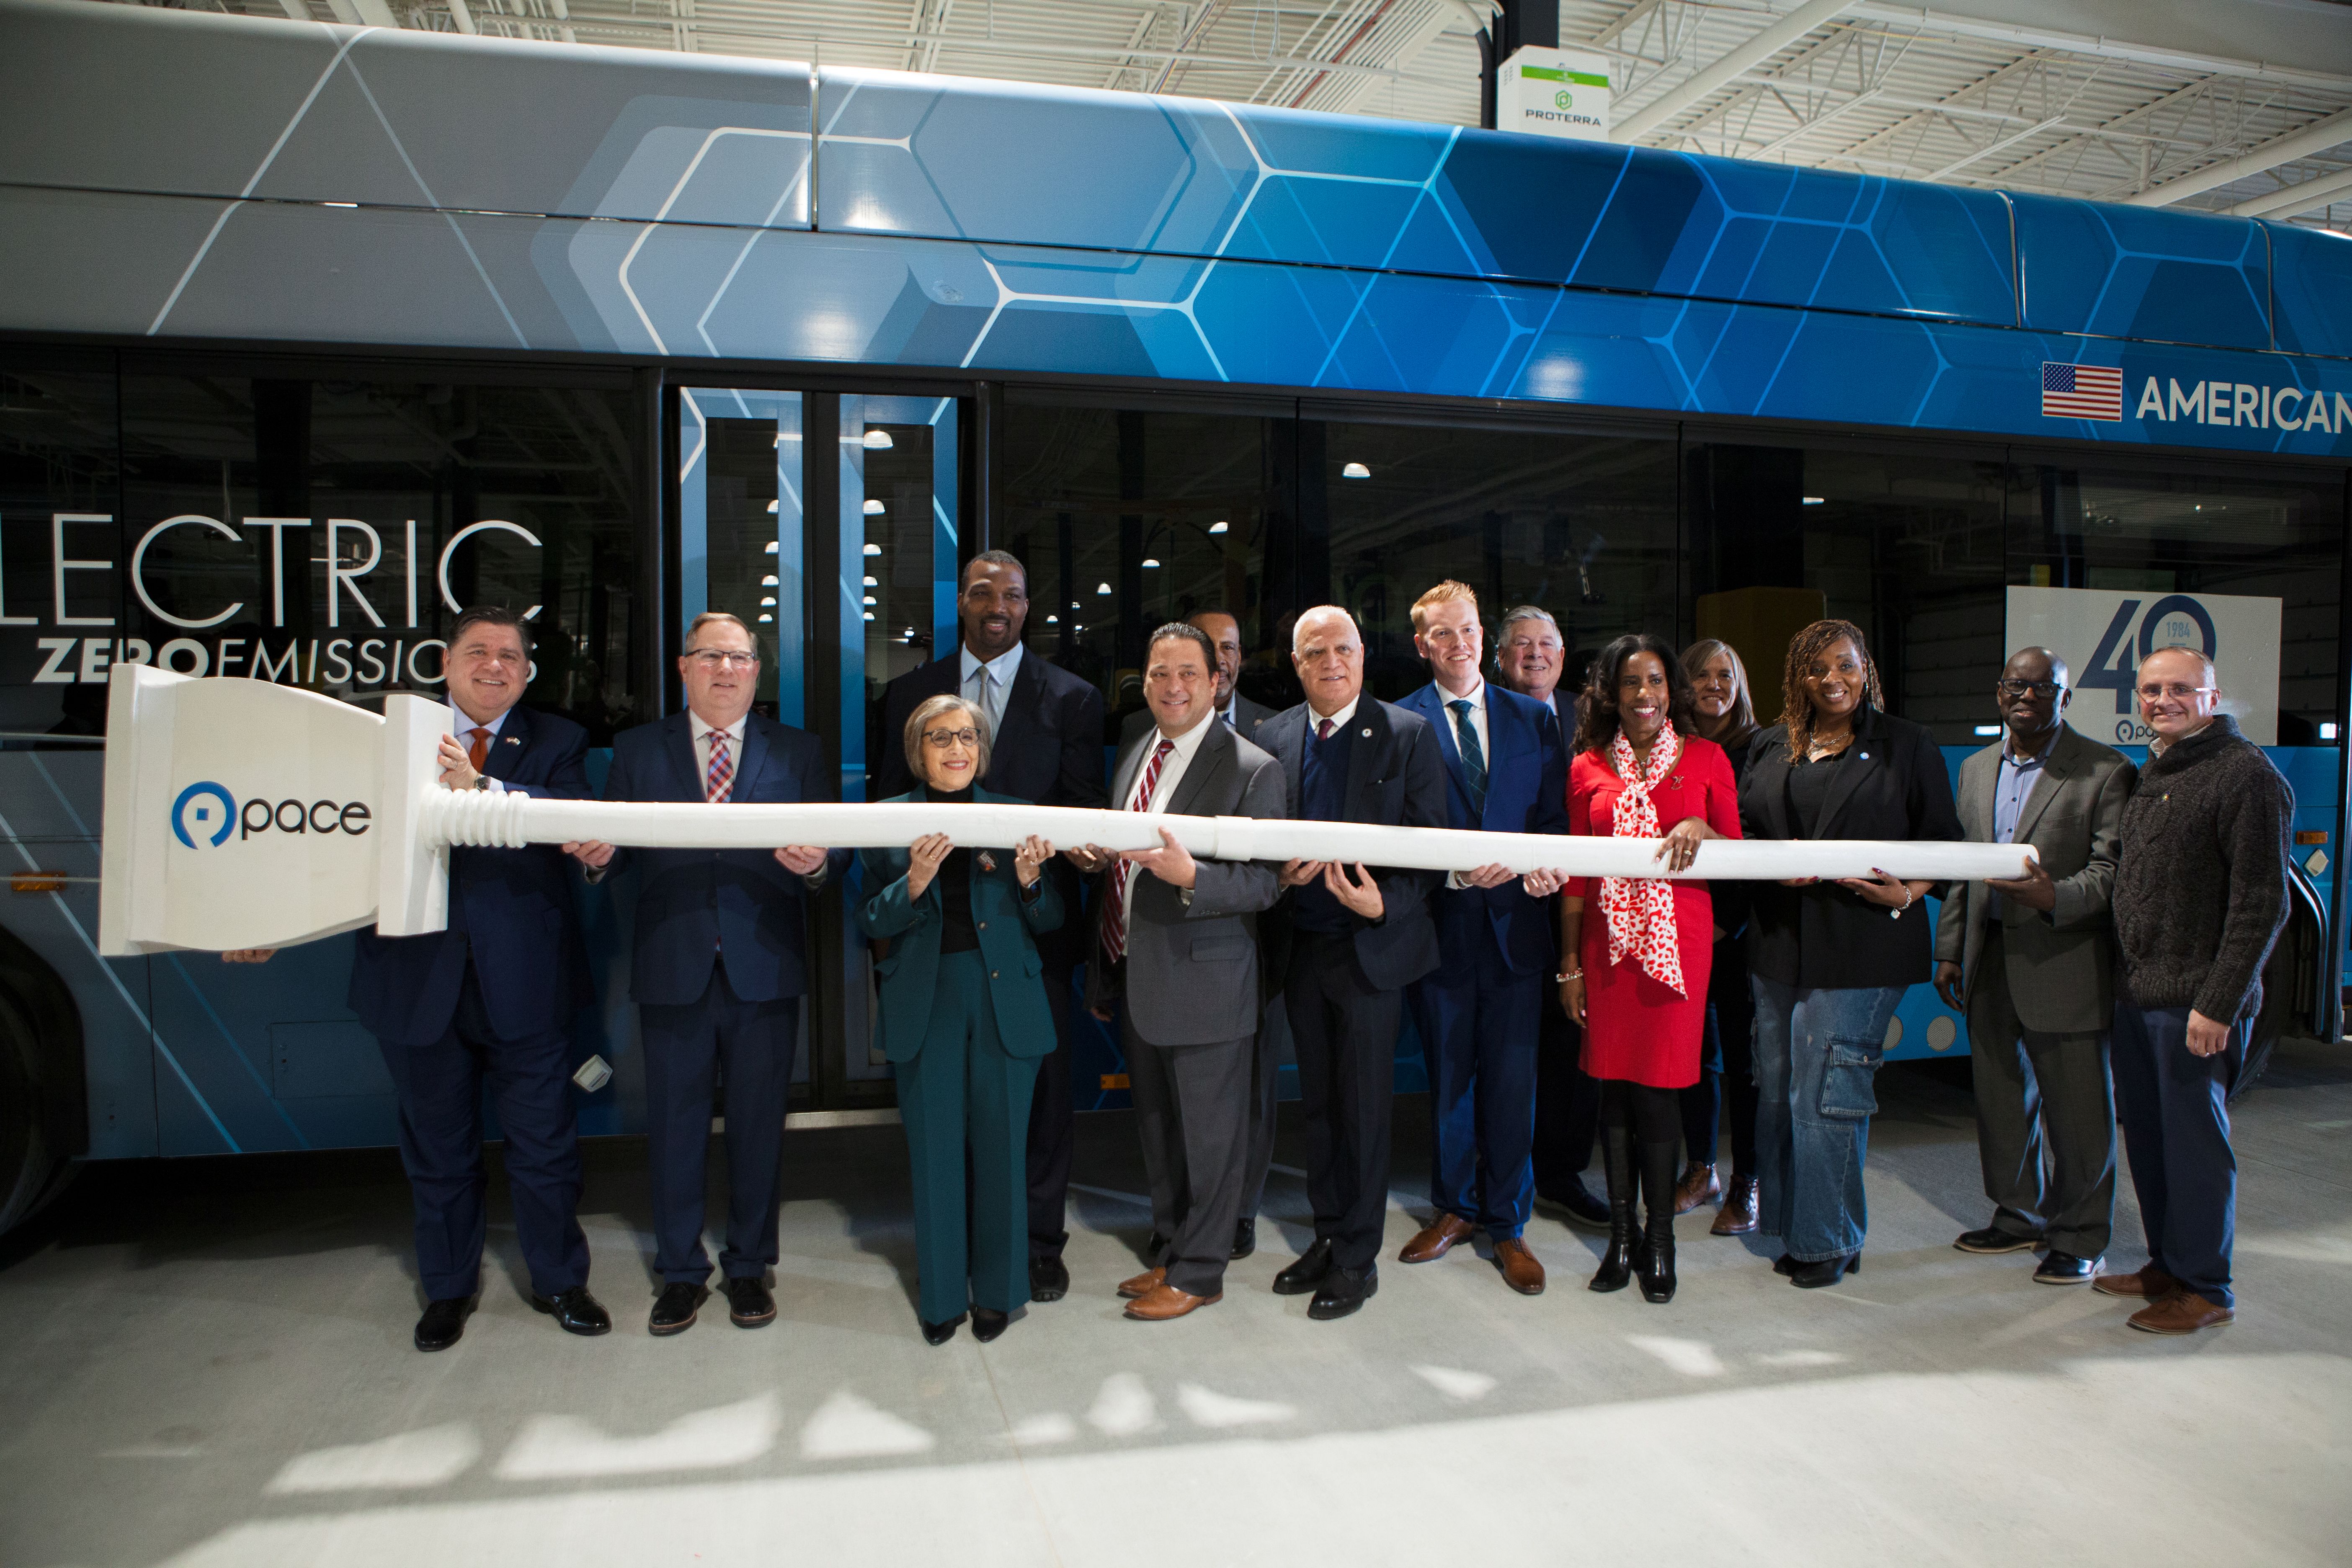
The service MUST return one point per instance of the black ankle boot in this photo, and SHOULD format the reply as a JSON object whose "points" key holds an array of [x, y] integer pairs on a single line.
{"points": [[1616, 1271], [1655, 1261]]}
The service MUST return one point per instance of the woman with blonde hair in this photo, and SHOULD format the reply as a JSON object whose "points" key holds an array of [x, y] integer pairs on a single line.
{"points": [[1830, 961], [964, 1019], [1724, 714]]}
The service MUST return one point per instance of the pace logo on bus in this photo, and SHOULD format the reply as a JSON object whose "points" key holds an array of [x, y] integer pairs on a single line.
{"points": [[205, 814]]}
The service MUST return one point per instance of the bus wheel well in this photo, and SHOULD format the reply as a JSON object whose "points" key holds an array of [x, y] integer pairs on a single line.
{"points": [[43, 1098]]}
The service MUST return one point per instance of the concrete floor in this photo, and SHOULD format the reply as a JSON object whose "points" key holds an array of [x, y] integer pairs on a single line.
{"points": [[210, 1364]]}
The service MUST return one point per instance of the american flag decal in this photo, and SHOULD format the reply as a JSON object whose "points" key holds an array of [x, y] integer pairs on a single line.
{"points": [[2080, 392]]}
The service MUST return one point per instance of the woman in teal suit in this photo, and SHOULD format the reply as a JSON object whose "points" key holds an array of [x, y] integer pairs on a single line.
{"points": [[965, 1020]]}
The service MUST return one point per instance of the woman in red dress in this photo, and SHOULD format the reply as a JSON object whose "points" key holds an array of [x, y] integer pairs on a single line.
{"points": [[1634, 974]]}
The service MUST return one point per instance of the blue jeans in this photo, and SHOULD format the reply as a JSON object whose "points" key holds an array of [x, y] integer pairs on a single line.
{"points": [[1817, 1052], [2176, 1116]]}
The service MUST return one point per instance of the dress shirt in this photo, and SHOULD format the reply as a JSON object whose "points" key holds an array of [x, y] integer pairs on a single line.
{"points": [[2010, 794], [1339, 719], [702, 734], [1163, 790], [463, 729], [1229, 713], [995, 687], [1476, 698]]}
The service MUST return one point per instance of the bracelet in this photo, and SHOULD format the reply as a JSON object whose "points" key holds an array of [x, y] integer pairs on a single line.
{"points": [[1909, 898], [1570, 974]]}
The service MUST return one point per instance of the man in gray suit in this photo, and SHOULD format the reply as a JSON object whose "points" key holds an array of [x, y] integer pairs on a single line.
{"points": [[1178, 938], [2030, 962], [1224, 635]]}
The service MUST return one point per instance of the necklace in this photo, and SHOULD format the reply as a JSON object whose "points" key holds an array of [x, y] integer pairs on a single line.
{"points": [[1816, 750]]}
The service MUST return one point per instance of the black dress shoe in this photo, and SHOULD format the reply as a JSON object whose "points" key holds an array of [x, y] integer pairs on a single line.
{"points": [[1576, 1200], [987, 1322], [444, 1322], [1828, 1271], [1993, 1239], [1785, 1265], [1307, 1273], [575, 1311], [1049, 1281], [748, 1305], [940, 1334], [2065, 1268], [1245, 1237], [675, 1309], [1344, 1290]]}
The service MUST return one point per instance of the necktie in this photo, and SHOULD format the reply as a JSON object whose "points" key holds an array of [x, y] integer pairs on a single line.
{"points": [[977, 692], [718, 781], [1115, 912], [477, 755], [1473, 755], [1323, 729]]}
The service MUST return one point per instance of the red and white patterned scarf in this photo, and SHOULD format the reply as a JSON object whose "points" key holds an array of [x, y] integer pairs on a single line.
{"points": [[1641, 909]]}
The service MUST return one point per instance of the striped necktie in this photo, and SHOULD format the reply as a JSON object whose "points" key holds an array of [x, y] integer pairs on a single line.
{"points": [[1115, 912], [719, 780]]}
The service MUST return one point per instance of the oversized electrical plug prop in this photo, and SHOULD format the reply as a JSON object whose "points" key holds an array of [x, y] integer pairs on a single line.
{"points": [[244, 814]]}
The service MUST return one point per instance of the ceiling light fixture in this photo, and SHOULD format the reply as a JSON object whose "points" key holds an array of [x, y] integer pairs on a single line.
{"points": [[1355, 471], [873, 550], [878, 441], [873, 508], [1216, 528]]}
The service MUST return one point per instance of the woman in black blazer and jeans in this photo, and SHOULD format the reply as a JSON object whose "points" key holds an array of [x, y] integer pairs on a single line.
{"points": [[1830, 961]]}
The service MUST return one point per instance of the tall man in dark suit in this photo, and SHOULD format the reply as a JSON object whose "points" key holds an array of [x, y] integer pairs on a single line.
{"points": [[1244, 716], [1178, 939], [1531, 658], [2030, 962], [1479, 1012], [717, 967], [1352, 940], [1047, 750], [489, 1000]]}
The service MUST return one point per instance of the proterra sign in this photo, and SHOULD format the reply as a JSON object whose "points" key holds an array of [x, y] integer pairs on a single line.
{"points": [[1554, 92]]}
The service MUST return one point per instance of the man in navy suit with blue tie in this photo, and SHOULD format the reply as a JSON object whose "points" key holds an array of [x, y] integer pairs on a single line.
{"points": [[490, 999], [1479, 1010], [717, 967]]}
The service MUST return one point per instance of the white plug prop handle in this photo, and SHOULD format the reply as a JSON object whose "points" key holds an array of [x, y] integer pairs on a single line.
{"points": [[244, 814]]}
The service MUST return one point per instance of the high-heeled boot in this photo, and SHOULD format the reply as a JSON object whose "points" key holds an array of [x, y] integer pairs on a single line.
{"points": [[1655, 1260], [1616, 1271]]}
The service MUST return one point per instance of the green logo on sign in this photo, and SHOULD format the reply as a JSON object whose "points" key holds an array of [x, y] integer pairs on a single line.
{"points": [[1563, 100]]}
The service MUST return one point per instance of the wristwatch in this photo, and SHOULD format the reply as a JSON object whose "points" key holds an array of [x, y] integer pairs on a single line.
{"points": [[481, 781]]}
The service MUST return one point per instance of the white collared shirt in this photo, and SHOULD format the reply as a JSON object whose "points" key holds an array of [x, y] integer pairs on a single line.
{"points": [[997, 686], [702, 734], [1172, 774], [1339, 719], [1476, 698], [463, 728]]}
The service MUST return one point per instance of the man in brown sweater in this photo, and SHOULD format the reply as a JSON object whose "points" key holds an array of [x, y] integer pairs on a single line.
{"points": [[2200, 896]]}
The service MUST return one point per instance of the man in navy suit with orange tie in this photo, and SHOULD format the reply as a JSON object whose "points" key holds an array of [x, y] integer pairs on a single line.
{"points": [[1479, 1012], [718, 966], [490, 1000]]}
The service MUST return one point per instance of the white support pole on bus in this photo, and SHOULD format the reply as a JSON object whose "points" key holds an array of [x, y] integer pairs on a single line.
{"points": [[243, 813]]}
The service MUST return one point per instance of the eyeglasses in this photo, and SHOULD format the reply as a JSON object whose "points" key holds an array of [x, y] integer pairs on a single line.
{"points": [[2020, 687], [714, 658], [2173, 690], [940, 740]]}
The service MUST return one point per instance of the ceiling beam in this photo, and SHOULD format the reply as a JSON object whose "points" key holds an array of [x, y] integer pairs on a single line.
{"points": [[1727, 68], [2318, 137], [2299, 197], [2187, 62]]}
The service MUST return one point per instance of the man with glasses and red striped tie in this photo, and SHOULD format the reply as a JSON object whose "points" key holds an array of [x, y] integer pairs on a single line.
{"points": [[717, 967], [1177, 939]]}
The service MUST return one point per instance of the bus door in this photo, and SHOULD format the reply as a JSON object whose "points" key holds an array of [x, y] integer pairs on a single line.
{"points": [[827, 522]]}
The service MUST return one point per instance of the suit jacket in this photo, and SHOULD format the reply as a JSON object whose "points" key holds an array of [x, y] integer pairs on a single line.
{"points": [[1892, 783], [1006, 924], [694, 904], [1247, 717], [1527, 791], [2060, 965], [1191, 975], [1048, 750], [511, 909], [1396, 778]]}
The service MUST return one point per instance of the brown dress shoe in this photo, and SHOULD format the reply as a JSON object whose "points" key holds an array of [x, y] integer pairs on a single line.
{"points": [[1520, 1270], [1435, 1240], [1166, 1301], [2150, 1283], [1143, 1284], [1700, 1185], [1738, 1215], [2182, 1312]]}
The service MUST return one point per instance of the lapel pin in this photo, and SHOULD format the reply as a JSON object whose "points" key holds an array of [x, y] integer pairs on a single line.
{"points": [[1368, 734], [512, 741], [1865, 756], [987, 861]]}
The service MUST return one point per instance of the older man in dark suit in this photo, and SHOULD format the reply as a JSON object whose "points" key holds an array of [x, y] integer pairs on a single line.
{"points": [[1046, 735], [1350, 940], [1177, 939]]}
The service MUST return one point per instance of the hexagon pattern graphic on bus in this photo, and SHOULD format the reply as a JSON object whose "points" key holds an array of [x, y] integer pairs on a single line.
{"points": [[2144, 272]]}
